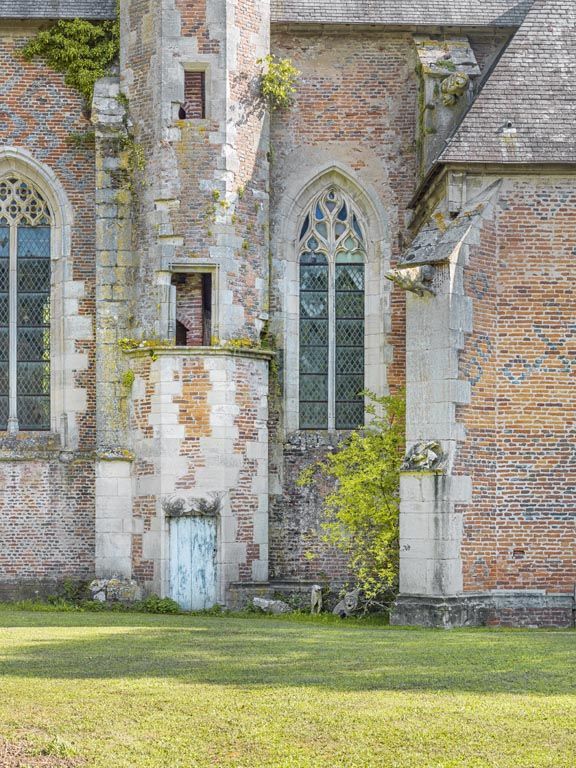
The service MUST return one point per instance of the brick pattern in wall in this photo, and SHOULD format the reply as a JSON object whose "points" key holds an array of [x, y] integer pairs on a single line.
{"points": [[46, 521], [193, 17], [189, 307], [220, 449], [520, 530], [355, 106], [46, 505], [194, 106], [41, 115]]}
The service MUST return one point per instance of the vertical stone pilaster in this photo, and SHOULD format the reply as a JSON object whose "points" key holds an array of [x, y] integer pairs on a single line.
{"points": [[115, 275], [438, 319]]}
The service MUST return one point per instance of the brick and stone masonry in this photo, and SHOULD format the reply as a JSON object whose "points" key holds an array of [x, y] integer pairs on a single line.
{"points": [[197, 420], [47, 481], [184, 213]]}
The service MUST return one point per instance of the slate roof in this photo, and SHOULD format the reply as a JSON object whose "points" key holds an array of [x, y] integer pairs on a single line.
{"points": [[468, 13], [526, 111], [57, 9]]}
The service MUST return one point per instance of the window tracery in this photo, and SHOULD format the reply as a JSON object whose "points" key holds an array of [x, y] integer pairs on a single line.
{"points": [[25, 245], [332, 255]]}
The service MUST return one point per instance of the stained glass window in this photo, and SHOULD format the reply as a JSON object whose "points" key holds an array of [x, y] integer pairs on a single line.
{"points": [[24, 307], [332, 255]]}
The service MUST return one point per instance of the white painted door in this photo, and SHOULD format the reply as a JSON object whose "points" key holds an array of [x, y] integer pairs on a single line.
{"points": [[193, 562]]}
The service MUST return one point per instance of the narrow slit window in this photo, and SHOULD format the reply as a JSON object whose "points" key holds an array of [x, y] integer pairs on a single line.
{"points": [[194, 105]]}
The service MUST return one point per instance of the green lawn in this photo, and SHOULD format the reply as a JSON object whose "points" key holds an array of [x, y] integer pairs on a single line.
{"points": [[122, 690]]}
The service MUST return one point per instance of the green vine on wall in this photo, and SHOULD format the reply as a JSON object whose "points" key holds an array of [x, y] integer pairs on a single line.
{"points": [[278, 82], [82, 50]]}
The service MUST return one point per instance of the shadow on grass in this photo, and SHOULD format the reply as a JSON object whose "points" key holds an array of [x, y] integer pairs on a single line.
{"points": [[256, 652]]}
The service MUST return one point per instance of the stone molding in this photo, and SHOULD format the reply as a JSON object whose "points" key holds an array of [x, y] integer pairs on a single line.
{"points": [[203, 506], [290, 212], [173, 351], [66, 399]]}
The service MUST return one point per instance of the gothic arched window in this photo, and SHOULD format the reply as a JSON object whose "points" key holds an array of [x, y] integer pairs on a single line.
{"points": [[25, 222], [331, 255]]}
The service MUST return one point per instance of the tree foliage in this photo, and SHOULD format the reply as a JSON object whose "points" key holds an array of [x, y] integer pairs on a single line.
{"points": [[83, 50], [361, 516]]}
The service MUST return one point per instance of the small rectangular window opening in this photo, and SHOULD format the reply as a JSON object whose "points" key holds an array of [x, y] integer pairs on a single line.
{"points": [[193, 309], [194, 106]]}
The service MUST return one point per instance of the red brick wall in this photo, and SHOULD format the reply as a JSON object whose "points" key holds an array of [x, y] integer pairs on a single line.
{"points": [[46, 505], [193, 16], [356, 105], [194, 95], [519, 531], [46, 520]]}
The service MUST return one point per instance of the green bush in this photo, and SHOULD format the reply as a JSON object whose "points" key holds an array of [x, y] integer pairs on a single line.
{"points": [[155, 604], [361, 516]]}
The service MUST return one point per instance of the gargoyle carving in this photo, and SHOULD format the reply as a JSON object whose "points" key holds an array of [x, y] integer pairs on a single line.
{"points": [[178, 506], [417, 280], [454, 86], [426, 455]]}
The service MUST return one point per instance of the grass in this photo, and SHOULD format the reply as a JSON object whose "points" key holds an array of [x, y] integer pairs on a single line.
{"points": [[123, 690]]}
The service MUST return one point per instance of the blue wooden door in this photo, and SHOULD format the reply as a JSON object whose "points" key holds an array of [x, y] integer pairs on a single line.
{"points": [[192, 562]]}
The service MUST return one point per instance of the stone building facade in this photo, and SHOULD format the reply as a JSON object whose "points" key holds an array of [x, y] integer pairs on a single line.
{"points": [[191, 300]]}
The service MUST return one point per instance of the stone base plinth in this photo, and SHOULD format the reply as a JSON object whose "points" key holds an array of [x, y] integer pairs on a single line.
{"points": [[506, 609], [39, 589]]}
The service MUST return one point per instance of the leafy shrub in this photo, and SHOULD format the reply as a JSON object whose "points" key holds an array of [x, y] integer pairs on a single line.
{"points": [[361, 516], [278, 82], [155, 604]]}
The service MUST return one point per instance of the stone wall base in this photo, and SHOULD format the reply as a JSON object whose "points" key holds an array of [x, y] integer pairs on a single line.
{"points": [[39, 589], [505, 609]]}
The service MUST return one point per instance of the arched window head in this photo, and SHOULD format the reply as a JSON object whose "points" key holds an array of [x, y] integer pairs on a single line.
{"points": [[332, 253], [25, 221]]}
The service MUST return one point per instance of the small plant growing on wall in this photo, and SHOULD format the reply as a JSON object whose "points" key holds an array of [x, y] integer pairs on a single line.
{"points": [[83, 50], [361, 516], [278, 82]]}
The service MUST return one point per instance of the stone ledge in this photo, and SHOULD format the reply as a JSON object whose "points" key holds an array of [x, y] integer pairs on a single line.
{"points": [[162, 351], [505, 609]]}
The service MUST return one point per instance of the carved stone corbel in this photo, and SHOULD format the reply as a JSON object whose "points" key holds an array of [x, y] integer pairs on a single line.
{"points": [[417, 280], [424, 456]]}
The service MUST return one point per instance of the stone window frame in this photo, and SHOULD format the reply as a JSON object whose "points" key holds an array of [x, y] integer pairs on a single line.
{"points": [[65, 398], [331, 249], [194, 66], [16, 219], [291, 213], [198, 267]]}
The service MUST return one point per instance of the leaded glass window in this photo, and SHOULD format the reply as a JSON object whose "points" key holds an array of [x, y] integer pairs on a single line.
{"points": [[25, 222], [332, 255]]}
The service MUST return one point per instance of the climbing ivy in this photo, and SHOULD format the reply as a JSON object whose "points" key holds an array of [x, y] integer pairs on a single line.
{"points": [[83, 50]]}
